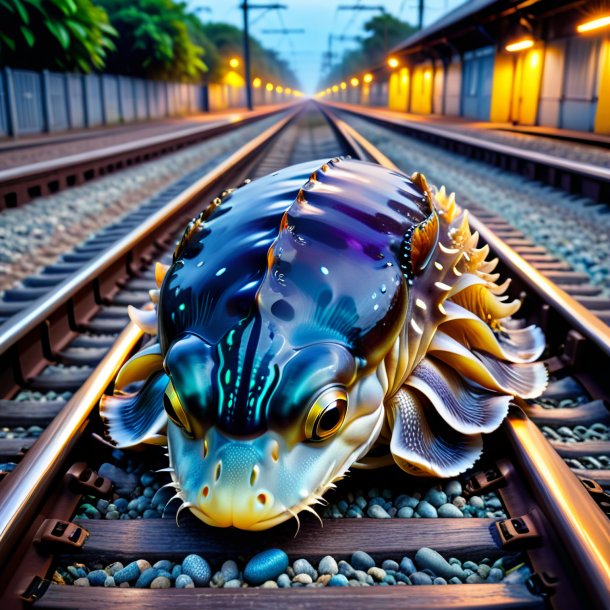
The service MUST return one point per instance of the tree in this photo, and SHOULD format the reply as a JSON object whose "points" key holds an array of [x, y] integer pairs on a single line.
{"points": [[227, 41], [58, 34], [154, 40], [384, 32]]}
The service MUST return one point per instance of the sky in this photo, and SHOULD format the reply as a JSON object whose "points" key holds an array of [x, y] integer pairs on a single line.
{"points": [[319, 19]]}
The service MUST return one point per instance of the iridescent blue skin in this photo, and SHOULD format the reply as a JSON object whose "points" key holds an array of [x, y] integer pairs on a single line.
{"points": [[255, 325]]}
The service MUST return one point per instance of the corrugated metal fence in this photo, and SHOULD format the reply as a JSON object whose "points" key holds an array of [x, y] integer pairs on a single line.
{"points": [[33, 102]]}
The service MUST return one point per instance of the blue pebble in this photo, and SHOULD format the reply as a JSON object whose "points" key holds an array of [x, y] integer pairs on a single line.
{"points": [[400, 577], [435, 496], [389, 564], [264, 566], [404, 500], [121, 504], [302, 566], [362, 561], [146, 578], [163, 564], [176, 571], [233, 584], [407, 566], [406, 512], [97, 578], [377, 512], [147, 479], [420, 578], [283, 581], [150, 513], [229, 570], [425, 509], [129, 573], [198, 569], [346, 569], [166, 574], [378, 501], [184, 581], [338, 580]]}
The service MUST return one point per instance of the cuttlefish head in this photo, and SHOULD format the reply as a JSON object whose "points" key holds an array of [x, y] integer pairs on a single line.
{"points": [[259, 430]]}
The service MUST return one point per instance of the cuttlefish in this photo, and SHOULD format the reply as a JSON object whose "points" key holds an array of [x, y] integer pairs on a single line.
{"points": [[331, 315]]}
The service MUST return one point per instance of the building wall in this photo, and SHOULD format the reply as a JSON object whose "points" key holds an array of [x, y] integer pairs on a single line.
{"points": [[602, 116], [453, 87], [421, 89], [477, 79], [398, 90], [549, 103]]}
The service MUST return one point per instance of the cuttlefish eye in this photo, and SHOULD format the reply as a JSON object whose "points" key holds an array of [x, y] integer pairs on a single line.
{"points": [[326, 414], [174, 409]]}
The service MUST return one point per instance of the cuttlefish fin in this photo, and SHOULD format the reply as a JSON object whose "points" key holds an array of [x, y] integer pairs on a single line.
{"points": [[138, 417], [423, 444]]}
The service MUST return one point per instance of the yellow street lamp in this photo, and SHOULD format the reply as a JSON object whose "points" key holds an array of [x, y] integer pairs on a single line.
{"points": [[393, 62], [354, 82], [234, 62], [593, 24], [520, 45], [367, 78], [257, 82], [279, 89], [328, 90], [269, 87], [343, 85], [335, 88]]}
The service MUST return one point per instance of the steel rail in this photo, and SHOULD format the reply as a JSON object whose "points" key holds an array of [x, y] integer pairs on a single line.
{"points": [[28, 320], [22, 491], [573, 167], [209, 128], [54, 175], [580, 524], [571, 310]]}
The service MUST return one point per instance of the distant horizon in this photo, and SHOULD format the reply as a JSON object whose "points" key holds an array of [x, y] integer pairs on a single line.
{"points": [[304, 52]]}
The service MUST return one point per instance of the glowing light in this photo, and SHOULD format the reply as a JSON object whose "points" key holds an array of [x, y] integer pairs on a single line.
{"points": [[393, 62], [335, 88], [367, 78], [343, 85], [328, 90], [520, 45], [354, 82], [257, 82], [269, 87], [594, 24], [427, 74], [279, 89], [288, 91], [234, 62]]}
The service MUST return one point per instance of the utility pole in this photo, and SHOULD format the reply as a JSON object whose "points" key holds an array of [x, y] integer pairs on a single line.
{"points": [[247, 70], [247, 57], [420, 14]]}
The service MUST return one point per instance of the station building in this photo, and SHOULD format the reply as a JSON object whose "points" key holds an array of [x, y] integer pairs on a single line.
{"points": [[527, 62]]}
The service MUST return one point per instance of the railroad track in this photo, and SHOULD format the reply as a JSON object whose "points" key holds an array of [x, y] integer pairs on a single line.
{"points": [[19, 185], [553, 548]]}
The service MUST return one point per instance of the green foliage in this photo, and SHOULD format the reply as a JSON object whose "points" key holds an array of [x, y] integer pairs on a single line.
{"points": [[154, 40], [228, 42], [54, 34], [383, 33]]}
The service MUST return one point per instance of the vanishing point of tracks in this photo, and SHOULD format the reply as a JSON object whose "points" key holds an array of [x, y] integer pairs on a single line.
{"points": [[67, 342]]}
